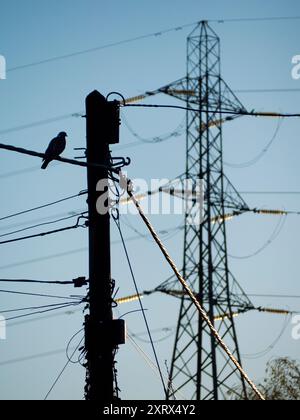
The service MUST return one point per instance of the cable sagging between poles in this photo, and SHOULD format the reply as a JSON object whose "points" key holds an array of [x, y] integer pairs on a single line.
{"points": [[239, 113]]}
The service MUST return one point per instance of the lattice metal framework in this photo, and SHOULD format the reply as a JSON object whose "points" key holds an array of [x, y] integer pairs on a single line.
{"points": [[199, 369]]}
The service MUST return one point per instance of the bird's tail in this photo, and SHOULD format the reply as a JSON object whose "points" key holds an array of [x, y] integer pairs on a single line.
{"points": [[45, 164]]}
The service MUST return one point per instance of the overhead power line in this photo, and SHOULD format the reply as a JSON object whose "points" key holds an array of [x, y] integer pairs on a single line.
{"points": [[270, 192], [42, 224], [42, 312], [264, 352], [99, 48], [40, 123], [243, 310], [272, 90], [145, 36], [255, 19], [132, 238], [63, 350], [273, 296], [45, 317], [20, 172], [42, 206], [66, 253], [278, 229], [151, 364], [32, 357], [38, 295], [254, 160], [58, 158], [168, 329], [38, 220], [241, 112], [51, 232], [81, 114], [156, 139], [45, 258], [270, 212], [32, 308], [35, 281]]}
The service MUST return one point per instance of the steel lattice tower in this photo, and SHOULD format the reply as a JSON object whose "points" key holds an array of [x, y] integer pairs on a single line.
{"points": [[199, 369]]}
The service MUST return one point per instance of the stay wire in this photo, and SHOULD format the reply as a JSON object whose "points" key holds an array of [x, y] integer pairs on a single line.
{"points": [[117, 222], [63, 370], [203, 313]]}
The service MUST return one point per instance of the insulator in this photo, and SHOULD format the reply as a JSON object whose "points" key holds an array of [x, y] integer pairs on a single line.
{"points": [[222, 219], [175, 293], [226, 316], [274, 311], [181, 92], [128, 299], [215, 123], [135, 99], [138, 197], [273, 212]]}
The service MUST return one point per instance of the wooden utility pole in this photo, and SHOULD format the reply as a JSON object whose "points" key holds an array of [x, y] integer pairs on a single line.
{"points": [[102, 126]]}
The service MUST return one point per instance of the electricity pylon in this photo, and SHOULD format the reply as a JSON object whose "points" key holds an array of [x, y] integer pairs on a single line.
{"points": [[199, 369]]}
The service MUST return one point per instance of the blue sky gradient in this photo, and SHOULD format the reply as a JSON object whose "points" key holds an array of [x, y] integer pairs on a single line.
{"points": [[255, 55]]}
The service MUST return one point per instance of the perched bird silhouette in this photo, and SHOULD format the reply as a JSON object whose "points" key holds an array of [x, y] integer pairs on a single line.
{"points": [[55, 148]]}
